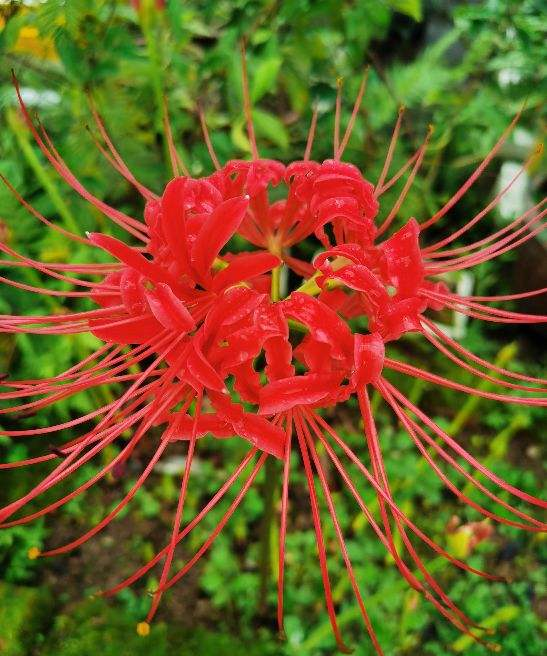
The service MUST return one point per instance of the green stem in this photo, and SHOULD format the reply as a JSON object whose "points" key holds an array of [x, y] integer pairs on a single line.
{"points": [[147, 16], [43, 176], [310, 285], [266, 555], [266, 532], [276, 284], [505, 355]]}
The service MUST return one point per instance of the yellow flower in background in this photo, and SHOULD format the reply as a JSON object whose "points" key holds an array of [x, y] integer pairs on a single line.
{"points": [[30, 42]]}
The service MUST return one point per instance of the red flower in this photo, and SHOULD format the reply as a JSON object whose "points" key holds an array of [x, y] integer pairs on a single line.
{"points": [[197, 319]]}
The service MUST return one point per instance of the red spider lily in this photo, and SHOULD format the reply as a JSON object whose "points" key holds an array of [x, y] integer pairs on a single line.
{"points": [[197, 319]]}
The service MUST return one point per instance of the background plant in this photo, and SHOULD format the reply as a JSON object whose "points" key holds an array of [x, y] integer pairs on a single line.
{"points": [[465, 69]]}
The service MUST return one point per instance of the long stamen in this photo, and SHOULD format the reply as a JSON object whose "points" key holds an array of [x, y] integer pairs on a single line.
{"points": [[283, 522], [178, 515], [457, 448], [408, 575], [394, 508], [493, 203], [128, 223], [476, 372], [390, 152], [410, 370], [66, 467], [396, 207], [473, 177], [337, 115], [319, 536], [311, 134], [70, 235], [188, 528], [353, 117], [376, 455], [115, 159], [177, 165], [412, 427], [123, 503], [207, 137], [218, 528], [471, 356], [340, 538]]}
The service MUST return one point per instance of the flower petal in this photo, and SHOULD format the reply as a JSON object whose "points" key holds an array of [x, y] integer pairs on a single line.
{"points": [[324, 324], [244, 267], [216, 231], [129, 256], [173, 222], [369, 356], [287, 393], [133, 330], [168, 309]]}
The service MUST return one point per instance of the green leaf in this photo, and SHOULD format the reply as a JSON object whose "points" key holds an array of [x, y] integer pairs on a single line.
{"points": [[265, 77], [71, 55], [412, 8], [501, 616], [270, 127], [239, 135]]}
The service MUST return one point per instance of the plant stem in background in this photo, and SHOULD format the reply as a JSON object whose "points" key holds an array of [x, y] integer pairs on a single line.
{"points": [[147, 16], [20, 132], [268, 495], [504, 356], [266, 532]]}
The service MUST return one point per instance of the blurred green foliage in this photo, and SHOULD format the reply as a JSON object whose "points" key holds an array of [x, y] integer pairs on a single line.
{"points": [[466, 68]]}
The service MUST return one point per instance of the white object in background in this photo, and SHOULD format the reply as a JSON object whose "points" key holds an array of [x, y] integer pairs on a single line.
{"points": [[43, 98]]}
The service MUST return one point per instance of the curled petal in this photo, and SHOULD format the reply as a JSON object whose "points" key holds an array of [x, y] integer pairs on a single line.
{"points": [[184, 425], [244, 267], [202, 371], [129, 256], [168, 309], [134, 330], [400, 317], [278, 352], [133, 292], [258, 430], [403, 264], [324, 324], [215, 232], [172, 218], [231, 307], [369, 356], [287, 393]]}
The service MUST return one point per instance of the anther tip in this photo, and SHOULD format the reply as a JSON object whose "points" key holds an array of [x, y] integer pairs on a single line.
{"points": [[143, 629], [33, 553]]}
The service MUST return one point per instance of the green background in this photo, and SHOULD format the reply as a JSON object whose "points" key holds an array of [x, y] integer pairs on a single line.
{"points": [[465, 68]]}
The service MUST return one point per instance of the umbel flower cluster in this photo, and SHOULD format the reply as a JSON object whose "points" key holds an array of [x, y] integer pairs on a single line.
{"points": [[211, 346]]}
